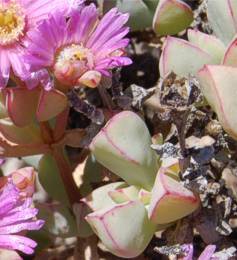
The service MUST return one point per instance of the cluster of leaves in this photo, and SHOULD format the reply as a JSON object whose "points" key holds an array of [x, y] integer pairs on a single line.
{"points": [[126, 186]]}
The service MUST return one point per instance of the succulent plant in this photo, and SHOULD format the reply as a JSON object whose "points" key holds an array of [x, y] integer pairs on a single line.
{"points": [[53, 55], [148, 200], [218, 54]]}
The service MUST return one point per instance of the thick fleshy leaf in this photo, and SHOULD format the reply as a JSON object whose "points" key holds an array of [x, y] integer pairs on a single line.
{"points": [[124, 229], [208, 43], [51, 103], [142, 8], [123, 146], [124, 194], [171, 17], [100, 198], [50, 179], [182, 57], [222, 16], [29, 134], [230, 58], [21, 105], [170, 200], [218, 84]]}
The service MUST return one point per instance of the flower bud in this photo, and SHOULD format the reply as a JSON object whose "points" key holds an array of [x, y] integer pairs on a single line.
{"points": [[90, 79], [24, 180]]}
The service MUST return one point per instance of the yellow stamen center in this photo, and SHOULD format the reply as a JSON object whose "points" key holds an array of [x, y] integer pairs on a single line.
{"points": [[71, 62], [12, 23], [74, 52]]}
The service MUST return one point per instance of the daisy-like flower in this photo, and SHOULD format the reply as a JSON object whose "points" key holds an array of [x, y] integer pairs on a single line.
{"points": [[81, 49], [16, 215], [17, 19]]}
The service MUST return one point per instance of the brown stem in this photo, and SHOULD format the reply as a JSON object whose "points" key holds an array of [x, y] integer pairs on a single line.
{"points": [[46, 132], [66, 174], [180, 122], [23, 150], [62, 161], [65, 169]]}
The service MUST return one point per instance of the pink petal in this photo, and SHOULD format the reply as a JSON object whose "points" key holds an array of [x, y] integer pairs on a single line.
{"points": [[4, 68], [15, 228], [16, 242], [81, 24]]}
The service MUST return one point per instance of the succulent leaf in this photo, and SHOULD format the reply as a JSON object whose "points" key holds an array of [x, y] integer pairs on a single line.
{"points": [[182, 58], [50, 179], [230, 57], [170, 200], [218, 84], [123, 146], [171, 17], [208, 43], [100, 198], [124, 194], [29, 134], [51, 103], [222, 16], [142, 8], [127, 242], [21, 105]]}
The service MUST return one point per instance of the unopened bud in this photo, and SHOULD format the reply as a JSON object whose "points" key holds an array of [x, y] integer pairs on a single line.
{"points": [[90, 79], [24, 179]]}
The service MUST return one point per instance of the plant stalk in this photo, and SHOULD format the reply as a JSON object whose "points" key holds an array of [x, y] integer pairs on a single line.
{"points": [[60, 156], [65, 170]]}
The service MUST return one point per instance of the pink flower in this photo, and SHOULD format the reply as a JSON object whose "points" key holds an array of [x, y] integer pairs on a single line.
{"points": [[80, 50], [17, 19], [16, 214]]}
